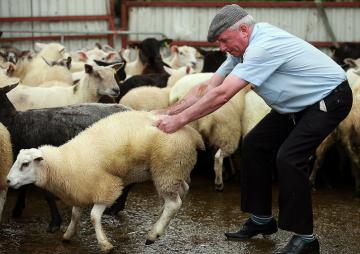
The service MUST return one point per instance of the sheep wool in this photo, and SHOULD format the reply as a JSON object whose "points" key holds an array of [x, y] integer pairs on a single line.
{"points": [[5, 163], [94, 167]]}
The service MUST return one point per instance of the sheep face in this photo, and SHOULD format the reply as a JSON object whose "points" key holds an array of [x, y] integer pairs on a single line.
{"points": [[24, 169], [103, 78], [187, 56]]}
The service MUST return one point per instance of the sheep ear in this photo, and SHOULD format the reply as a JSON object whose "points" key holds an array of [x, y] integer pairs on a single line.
{"points": [[37, 154], [351, 62], [166, 42], [82, 56], [168, 70], [8, 88], [117, 66], [89, 69], [174, 48], [24, 53], [11, 69], [110, 55], [68, 62], [62, 50], [98, 45], [201, 51]]}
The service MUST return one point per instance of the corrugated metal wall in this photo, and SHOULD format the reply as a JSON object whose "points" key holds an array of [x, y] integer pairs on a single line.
{"points": [[191, 23], [54, 8], [187, 21]]}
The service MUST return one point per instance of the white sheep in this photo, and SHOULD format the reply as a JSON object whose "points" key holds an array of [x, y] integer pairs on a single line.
{"points": [[135, 67], [185, 84], [151, 97], [146, 98], [221, 130], [5, 163], [99, 81], [96, 165], [353, 73], [39, 71], [182, 56], [255, 109]]}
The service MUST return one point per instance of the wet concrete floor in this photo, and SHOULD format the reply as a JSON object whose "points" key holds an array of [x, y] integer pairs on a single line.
{"points": [[197, 228]]}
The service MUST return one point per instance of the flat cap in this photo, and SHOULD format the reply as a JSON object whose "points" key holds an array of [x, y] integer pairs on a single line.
{"points": [[225, 18]]}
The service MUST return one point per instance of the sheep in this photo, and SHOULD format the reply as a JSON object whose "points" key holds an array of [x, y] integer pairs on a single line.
{"points": [[353, 73], [99, 81], [183, 85], [93, 168], [39, 71], [5, 163], [221, 129], [54, 126], [148, 58], [11, 54], [345, 136], [182, 56], [348, 134], [345, 50], [255, 109], [147, 98], [212, 59], [150, 97]]}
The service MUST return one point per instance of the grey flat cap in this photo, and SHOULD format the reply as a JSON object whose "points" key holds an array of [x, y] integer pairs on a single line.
{"points": [[225, 18]]}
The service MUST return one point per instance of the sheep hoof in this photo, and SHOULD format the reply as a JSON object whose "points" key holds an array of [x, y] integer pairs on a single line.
{"points": [[148, 242], [53, 228], [107, 248], [219, 187]]}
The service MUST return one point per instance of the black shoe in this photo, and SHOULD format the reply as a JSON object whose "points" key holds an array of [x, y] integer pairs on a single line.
{"points": [[250, 229], [296, 245]]}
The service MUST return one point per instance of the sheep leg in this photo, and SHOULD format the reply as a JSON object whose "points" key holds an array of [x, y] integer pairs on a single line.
{"points": [[320, 156], [171, 206], [355, 169], [218, 166], [183, 189], [96, 213], [20, 202], [56, 220], [74, 223], [119, 204], [2, 201]]}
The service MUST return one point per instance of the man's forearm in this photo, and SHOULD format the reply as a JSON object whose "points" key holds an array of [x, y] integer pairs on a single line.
{"points": [[192, 97]]}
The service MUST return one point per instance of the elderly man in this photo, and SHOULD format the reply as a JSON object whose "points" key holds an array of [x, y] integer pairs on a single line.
{"points": [[309, 96]]}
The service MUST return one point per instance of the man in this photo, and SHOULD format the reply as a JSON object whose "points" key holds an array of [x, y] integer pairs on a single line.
{"points": [[309, 96]]}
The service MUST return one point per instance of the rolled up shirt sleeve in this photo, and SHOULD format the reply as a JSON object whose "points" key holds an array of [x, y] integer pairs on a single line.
{"points": [[228, 65]]}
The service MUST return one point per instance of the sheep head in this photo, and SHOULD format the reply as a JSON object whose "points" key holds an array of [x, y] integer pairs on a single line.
{"points": [[25, 168], [103, 79]]}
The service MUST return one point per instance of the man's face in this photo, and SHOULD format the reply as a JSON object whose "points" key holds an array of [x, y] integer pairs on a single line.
{"points": [[235, 41]]}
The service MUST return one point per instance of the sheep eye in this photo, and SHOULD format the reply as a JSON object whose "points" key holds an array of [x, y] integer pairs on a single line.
{"points": [[181, 53], [24, 165]]}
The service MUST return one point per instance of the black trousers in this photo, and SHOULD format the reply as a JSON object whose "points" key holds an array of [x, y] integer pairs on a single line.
{"points": [[285, 142]]}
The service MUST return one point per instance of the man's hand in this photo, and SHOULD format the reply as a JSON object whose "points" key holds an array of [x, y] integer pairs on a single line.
{"points": [[168, 124]]}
